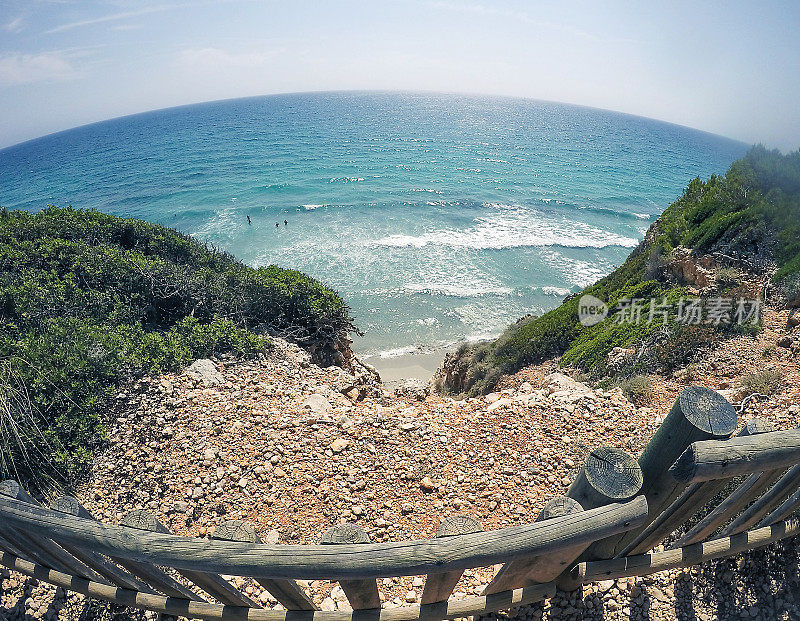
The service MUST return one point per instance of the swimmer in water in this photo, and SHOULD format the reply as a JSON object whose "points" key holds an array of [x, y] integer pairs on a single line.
{"points": [[277, 225], [285, 223], [248, 220]]}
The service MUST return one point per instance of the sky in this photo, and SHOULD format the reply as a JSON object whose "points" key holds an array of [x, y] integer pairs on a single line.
{"points": [[731, 68]]}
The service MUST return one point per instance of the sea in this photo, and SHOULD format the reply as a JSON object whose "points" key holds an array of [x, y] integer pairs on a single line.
{"points": [[439, 218]]}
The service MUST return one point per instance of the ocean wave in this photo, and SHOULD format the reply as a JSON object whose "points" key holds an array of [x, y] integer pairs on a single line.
{"points": [[515, 229], [557, 291], [457, 290], [311, 207], [345, 179]]}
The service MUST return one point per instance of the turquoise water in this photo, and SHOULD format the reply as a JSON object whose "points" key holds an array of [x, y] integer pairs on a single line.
{"points": [[437, 217]]}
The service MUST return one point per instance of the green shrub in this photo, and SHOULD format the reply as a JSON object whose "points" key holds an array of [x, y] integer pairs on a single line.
{"points": [[89, 301], [638, 389], [766, 382]]}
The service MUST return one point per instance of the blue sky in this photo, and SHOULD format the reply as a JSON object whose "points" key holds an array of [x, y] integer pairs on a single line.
{"points": [[731, 68]]}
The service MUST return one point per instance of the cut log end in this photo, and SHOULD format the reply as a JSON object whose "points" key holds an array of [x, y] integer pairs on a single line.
{"points": [[345, 533], [613, 473], [685, 467], [558, 507], [458, 525], [236, 530], [708, 410]]}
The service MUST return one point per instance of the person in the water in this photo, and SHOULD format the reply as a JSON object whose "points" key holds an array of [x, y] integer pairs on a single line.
{"points": [[277, 224], [285, 223], [248, 220]]}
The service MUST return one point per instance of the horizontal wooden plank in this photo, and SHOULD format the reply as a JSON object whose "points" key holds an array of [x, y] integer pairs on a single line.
{"points": [[722, 459], [453, 609], [329, 562], [644, 564]]}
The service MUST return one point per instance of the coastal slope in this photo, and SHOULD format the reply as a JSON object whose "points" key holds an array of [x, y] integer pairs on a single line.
{"points": [[735, 236]]}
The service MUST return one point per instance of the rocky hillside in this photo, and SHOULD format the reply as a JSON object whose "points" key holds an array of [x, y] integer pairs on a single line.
{"points": [[294, 448], [734, 236]]}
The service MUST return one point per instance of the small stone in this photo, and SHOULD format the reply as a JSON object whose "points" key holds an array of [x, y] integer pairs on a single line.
{"points": [[426, 485], [273, 536], [317, 404], [339, 444]]}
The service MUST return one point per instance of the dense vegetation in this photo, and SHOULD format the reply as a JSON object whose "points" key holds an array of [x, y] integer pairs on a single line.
{"points": [[89, 301], [749, 218]]}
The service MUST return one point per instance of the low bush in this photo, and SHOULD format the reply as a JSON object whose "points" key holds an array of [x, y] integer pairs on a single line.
{"points": [[89, 301], [766, 382]]}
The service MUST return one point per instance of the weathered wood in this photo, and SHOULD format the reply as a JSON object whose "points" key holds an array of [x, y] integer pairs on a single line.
{"points": [[607, 476], [697, 414], [454, 609], [689, 502], [43, 547], [766, 503], [113, 573], [330, 562], [287, 592], [362, 594], [713, 459], [211, 583], [539, 569], [686, 556], [439, 586], [751, 488], [152, 576], [787, 508]]}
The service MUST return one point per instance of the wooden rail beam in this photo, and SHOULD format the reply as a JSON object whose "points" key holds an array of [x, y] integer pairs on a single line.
{"points": [[453, 609], [712, 459], [329, 562]]}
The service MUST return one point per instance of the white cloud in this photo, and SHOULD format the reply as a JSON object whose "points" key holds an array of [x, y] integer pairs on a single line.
{"points": [[114, 17], [16, 68], [15, 25]]}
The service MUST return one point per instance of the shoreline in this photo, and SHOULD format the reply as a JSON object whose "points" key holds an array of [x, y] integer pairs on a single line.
{"points": [[417, 365]]}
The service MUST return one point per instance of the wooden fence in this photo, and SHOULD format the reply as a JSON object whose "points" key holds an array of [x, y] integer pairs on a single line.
{"points": [[616, 510]]}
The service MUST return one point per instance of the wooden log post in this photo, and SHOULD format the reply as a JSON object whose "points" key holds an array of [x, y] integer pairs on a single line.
{"points": [[439, 586], [362, 594], [212, 584], [539, 569], [287, 592], [153, 578], [608, 476], [689, 502], [697, 414], [46, 549]]}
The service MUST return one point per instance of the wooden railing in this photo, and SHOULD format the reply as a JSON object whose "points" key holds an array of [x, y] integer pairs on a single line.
{"points": [[616, 510]]}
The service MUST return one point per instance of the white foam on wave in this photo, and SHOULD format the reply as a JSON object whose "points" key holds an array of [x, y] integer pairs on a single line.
{"points": [[310, 207], [558, 291], [511, 227], [457, 290], [642, 216]]}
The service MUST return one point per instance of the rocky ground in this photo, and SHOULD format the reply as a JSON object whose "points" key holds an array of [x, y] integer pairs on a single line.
{"points": [[294, 449]]}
